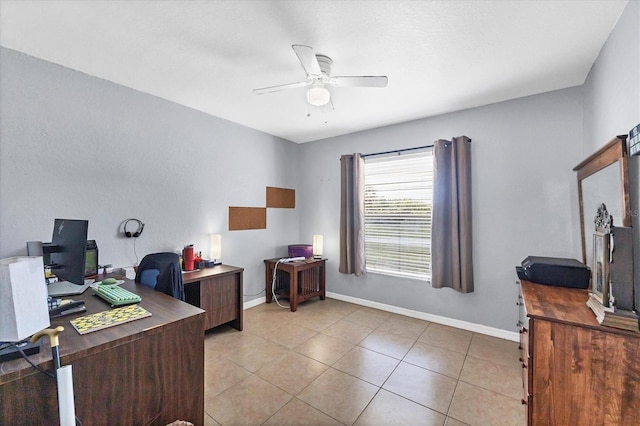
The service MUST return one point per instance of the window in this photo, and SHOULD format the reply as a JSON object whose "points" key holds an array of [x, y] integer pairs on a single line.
{"points": [[397, 208]]}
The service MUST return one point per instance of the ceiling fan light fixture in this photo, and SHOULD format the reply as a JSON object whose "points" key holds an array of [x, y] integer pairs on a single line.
{"points": [[318, 95]]}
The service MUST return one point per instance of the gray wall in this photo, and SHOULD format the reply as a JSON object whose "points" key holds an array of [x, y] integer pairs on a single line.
{"points": [[75, 146], [612, 102], [524, 200], [525, 192]]}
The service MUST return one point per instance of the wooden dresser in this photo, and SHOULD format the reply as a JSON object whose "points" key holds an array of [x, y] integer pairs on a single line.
{"points": [[575, 371]]}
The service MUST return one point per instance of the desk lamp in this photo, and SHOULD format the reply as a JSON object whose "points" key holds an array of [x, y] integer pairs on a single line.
{"points": [[317, 247], [215, 251]]}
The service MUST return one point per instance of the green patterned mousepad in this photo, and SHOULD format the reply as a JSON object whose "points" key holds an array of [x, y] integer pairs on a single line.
{"points": [[105, 319]]}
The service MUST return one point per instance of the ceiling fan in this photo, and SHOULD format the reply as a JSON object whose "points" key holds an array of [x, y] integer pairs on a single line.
{"points": [[318, 69]]}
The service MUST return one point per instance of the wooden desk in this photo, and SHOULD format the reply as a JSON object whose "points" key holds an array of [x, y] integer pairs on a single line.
{"points": [[148, 371], [297, 281], [575, 371], [218, 291]]}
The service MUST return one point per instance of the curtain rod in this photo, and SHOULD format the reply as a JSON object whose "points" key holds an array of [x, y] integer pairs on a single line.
{"points": [[397, 151]]}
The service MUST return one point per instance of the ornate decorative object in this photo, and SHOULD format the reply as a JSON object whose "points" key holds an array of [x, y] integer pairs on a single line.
{"points": [[603, 220]]}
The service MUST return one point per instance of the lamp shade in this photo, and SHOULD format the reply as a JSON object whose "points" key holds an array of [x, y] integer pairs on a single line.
{"points": [[318, 95], [215, 251], [23, 298], [317, 246]]}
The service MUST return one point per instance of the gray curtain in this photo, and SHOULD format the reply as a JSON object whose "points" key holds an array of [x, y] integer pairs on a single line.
{"points": [[451, 239], [352, 215]]}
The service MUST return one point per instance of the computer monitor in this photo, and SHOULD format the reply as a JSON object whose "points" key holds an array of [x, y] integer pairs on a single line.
{"points": [[70, 238]]}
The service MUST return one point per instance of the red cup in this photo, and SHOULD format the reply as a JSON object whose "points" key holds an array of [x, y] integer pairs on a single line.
{"points": [[187, 259]]}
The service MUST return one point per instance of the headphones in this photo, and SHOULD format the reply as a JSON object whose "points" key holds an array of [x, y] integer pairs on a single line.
{"points": [[138, 231]]}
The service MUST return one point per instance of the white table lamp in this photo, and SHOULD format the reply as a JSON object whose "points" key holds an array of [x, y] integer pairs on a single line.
{"points": [[317, 246], [215, 252]]}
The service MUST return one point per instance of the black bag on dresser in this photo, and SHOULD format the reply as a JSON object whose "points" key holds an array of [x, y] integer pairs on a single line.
{"points": [[555, 271], [621, 269]]}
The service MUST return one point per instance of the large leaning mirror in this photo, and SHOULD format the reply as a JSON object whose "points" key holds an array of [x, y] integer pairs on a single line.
{"points": [[603, 178]]}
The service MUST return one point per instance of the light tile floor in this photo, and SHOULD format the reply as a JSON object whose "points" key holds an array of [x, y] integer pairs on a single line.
{"points": [[336, 363]]}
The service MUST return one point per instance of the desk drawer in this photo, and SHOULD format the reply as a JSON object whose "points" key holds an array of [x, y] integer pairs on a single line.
{"points": [[218, 296], [219, 293]]}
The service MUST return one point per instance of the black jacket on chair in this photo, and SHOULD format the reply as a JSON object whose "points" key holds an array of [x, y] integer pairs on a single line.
{"points": [[169, 277]]}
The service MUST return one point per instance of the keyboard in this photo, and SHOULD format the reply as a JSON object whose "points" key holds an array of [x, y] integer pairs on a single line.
{"points": [[116, 295]]}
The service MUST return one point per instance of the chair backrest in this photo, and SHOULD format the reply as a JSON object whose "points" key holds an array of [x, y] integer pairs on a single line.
{"points": [[149, 277], [162, 272]]}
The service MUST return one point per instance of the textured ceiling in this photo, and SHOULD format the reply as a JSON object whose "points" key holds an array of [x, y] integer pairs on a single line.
{"points": [[440, 56]]}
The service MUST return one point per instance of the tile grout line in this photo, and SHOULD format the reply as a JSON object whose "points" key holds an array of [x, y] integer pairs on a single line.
{"points": [[292, 321]]}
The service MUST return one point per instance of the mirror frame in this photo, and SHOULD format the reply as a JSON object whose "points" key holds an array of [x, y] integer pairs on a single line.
{"points": [[614, 151]]}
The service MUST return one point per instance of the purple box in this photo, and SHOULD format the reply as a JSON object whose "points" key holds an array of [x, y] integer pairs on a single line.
{"points": [[301, 250]]}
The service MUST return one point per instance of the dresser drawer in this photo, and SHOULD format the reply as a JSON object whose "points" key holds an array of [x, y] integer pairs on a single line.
{"points": [[525, 360], [526, 372], [524, 343]]}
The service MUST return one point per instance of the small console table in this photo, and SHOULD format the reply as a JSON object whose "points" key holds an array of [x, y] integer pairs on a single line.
{"points": [[297, 281], [218, 291]]}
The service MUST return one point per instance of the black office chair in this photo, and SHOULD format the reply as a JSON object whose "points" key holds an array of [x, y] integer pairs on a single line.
{"points": [[161, 271]]}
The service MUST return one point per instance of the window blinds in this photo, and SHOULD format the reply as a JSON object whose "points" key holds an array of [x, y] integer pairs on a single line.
{"points": [[398, 199]]}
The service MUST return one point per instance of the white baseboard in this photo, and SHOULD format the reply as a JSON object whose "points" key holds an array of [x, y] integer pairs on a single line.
{"points": [[476, 328], [254, 302]]}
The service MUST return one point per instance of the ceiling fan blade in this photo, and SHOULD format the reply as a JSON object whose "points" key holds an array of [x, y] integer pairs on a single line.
{"points": [[360, 81], [307, 59], [272, 89]]}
